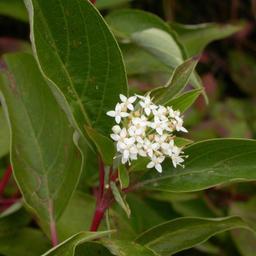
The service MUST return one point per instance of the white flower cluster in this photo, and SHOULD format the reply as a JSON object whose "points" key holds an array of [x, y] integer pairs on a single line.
{"points": [[145, 129]]}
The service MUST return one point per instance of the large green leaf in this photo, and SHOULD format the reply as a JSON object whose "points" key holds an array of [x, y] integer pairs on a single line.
{"points": [[67, 248], [196, 37], [183, 233], [4, 135], [44, 157], [79, 56], [24, 242], [209, 163]]}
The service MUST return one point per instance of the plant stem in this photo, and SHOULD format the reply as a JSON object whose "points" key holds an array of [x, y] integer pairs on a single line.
{"points": [[97, 218], [93, 1], [5, 179], [104, 199], [54, 237]]}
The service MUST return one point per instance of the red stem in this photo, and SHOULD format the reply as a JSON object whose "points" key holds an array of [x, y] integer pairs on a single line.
{"points": [[93, 1], [101, 179], [54, 237], [5, 179], [100, 209], [97, 218]]}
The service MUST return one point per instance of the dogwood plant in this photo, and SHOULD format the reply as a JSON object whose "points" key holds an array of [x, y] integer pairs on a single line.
{"points": [[144, 129]]}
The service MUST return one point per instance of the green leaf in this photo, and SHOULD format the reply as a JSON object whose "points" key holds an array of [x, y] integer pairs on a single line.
{"points": [[126, 22], [24, 242], [44, 157], [14, 8], [67, 248], [4, 135], [183, 233], [126, 248], [104, 145], [185, 100], [161, 44], [182, 142], [105, 4], [209, 163], [120, 199], [76, 218], [151, 33], [123, 176], [196, 37], [245, 240], [139, 61], [80, 59], [177, 82], [92, 248]]}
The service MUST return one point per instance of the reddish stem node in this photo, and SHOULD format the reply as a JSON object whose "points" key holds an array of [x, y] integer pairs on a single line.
{"points": [[5, 179]]}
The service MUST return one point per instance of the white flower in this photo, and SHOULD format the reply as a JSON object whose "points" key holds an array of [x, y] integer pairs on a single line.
{"points": [[161, 140], [128, 101], [150, 147], [159, 125], [137, 133], [178, 123], [161, 113], [128, 149], [173, 114], [147, 104], [156, 162], [175, 156], [118, 113], [118, 135], [146, 131]]}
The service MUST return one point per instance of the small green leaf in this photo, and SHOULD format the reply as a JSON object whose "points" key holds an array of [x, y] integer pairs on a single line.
{"points": [[44, 153], [80, 59], [120, 199], [104, 145], [68, 247], [123, 175], [209, 163], [179, 80], [4, 135], [183, 233], [185, 100], [196, 37]]}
